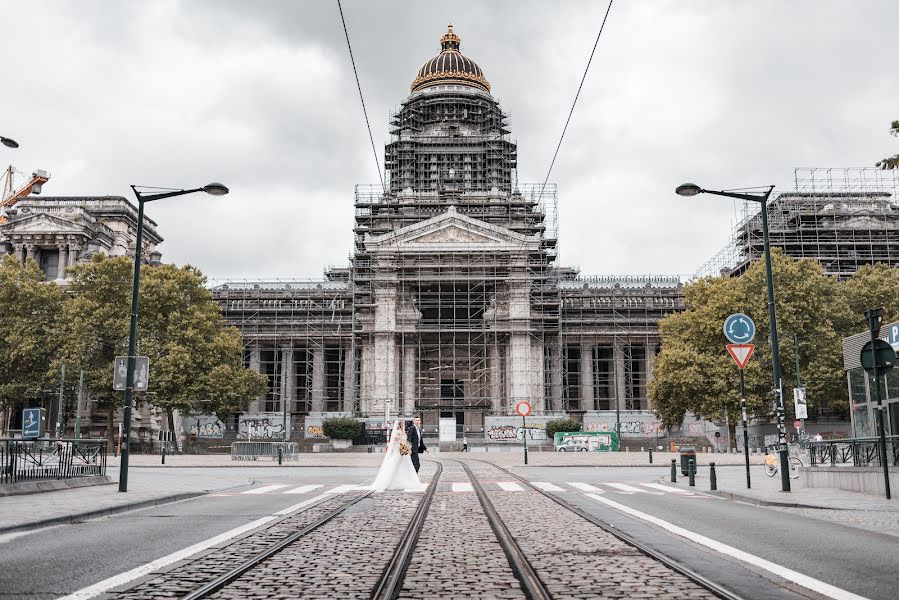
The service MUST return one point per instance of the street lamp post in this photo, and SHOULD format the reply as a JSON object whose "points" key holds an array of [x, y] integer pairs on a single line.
{"points": [[215, 189], [691, 189]]}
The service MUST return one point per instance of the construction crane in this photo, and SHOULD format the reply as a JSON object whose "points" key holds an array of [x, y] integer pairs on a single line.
{"points": [[11, 194]]}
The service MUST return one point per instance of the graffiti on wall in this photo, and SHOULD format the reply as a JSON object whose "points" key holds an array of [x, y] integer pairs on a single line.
{"points": [[262, 428], [629, 427], [207, 428]]}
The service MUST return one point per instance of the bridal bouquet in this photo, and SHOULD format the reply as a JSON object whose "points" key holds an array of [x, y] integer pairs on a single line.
{"points": [[405, 448]]}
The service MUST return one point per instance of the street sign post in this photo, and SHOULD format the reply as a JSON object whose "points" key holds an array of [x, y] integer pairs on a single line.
{"points": [[141, 373], [878, 358], [739, 328], [33, 422], [524, 409], [797, 424]]}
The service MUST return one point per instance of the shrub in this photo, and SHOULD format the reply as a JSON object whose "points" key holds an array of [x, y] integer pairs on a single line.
{"points": [[342, 428], [561, 425]]}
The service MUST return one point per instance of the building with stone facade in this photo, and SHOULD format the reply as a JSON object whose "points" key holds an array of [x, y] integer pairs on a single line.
{"points": [[453, 305]]}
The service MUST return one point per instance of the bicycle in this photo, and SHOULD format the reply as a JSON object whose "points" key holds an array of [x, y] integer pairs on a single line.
{"points": [[772, 465]]}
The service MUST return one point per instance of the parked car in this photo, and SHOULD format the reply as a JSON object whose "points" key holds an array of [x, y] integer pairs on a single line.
{"points": [[573, 445]]}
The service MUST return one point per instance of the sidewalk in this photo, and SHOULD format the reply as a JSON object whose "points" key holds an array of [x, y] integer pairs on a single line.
{"points": [[33, 511], [766, 491]]}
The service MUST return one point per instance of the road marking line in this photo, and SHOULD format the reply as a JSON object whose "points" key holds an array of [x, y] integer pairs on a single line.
{"points": [[461, 486], [342, 489], [123, 578], [266, 489], [586, 487], [138, 572], [303, 489], [547, 487], [668, 488], [509, 486], [788, 574], [627, 488]]}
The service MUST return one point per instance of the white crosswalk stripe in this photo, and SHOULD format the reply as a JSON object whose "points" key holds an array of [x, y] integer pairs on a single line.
{"points": [[667, 488], [266, 489], [343, 489], [461, 486], [586, 487], [510, 486], [547, 487], [303, 489], [625, 488]]}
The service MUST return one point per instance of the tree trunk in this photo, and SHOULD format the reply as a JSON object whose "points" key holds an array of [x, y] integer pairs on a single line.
{"points": [[171, 418], [732, 433], [110, 434]]}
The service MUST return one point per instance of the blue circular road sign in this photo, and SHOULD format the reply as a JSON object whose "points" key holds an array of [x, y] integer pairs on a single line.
{"points": [[739, 328]]}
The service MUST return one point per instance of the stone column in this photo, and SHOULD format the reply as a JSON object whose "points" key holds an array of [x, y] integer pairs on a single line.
{"points": [[620, 378], [409, 379], [254, 364], [73, 255], [496, 390], [650, 366], [349, 377], [587, 401], [288, 382], [19, 251], [318, 379], [519, 369], [62, 262], [30, 252]]}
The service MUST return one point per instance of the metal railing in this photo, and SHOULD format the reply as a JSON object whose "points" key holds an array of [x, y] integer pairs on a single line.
{"points": [[255, 450], [35, 460], [858, 452]]}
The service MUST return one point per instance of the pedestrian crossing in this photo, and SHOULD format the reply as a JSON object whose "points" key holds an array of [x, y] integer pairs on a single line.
{"points": [[630, 488]]}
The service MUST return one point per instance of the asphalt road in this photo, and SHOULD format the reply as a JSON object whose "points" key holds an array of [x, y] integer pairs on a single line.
{"points": [[858, 561], [56, 561]]}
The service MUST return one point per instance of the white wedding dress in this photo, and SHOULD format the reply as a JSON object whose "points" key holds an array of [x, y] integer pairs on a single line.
{"points": [[397, 471]]}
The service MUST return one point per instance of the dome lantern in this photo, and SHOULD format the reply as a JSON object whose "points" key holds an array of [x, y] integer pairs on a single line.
{"points": [[450, 67]]}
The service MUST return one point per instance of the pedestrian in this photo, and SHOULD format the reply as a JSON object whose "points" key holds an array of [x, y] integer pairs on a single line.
{"points": [[464, 444]]}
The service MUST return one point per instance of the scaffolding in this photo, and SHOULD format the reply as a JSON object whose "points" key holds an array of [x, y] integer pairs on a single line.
{"points": [[843, 218]]}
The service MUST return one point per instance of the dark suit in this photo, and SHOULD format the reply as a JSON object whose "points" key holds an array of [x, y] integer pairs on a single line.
{"points": [[416, 443]]}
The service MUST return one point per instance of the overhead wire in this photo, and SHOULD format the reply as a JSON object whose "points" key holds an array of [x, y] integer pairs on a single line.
{"points": [[576, 96], [361, 97]]}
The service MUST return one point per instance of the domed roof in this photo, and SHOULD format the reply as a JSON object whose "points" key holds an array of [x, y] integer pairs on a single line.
{"points": [[450, 67]]}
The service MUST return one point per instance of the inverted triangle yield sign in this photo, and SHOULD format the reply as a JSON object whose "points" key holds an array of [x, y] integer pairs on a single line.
{"points": [[741, 353]]}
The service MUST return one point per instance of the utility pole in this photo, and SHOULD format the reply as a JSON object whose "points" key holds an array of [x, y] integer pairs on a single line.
{"points": [[62, 381], [78, 410]]}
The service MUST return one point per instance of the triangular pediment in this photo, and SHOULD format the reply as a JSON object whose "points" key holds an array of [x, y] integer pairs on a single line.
{"points": [[42, 223], [451, 231]]}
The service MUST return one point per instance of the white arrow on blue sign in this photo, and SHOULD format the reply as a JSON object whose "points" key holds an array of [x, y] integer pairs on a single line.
{"points": [[739, 328]]}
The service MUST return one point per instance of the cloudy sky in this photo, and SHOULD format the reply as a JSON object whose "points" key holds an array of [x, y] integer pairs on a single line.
{"points": [[261, 96]]}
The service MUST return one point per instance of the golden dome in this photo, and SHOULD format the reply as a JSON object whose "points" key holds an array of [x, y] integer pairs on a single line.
{"points": [[450, 67]]}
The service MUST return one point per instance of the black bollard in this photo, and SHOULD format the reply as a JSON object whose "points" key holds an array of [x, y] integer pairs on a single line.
{"points": [[163, 454], [713, 479], [279, 455], [650, 456], [691, 469], [673, 471]]}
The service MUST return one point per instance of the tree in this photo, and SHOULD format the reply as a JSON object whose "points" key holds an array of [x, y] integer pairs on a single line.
{"points": [[891, 162], [872, 286], [30, 314], [561, 425], [195, 359], [694, 372]]}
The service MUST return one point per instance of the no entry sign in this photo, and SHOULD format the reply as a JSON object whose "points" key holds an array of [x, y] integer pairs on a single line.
{"points": [[523, 409]]}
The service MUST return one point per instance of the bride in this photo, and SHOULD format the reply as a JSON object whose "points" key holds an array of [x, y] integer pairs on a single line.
{"points": [[397, 472]]}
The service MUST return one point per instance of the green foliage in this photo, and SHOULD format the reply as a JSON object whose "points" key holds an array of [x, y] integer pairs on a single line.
{"points": [[557, 425], [694, 372], [342, 428], [30, 315], [891, 162], [873, 286]]}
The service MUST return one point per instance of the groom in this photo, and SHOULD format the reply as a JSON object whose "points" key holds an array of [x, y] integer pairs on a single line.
{"points": [[413, 433]]}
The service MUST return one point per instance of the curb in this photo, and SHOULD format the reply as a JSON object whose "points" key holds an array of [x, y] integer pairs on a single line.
{"points": [[52, 485], [737, 497]]}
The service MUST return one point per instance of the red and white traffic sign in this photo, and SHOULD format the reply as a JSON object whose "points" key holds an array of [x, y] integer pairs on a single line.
{"points": [[523, 409], [797, 424], [741, 353]]}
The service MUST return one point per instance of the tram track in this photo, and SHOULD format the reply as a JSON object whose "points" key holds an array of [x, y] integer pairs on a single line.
{"points": [[672, 564]]}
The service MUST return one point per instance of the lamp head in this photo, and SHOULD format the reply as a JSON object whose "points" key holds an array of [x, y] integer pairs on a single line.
{"points": [[688, 189], [215, 189], [8, 142]]}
